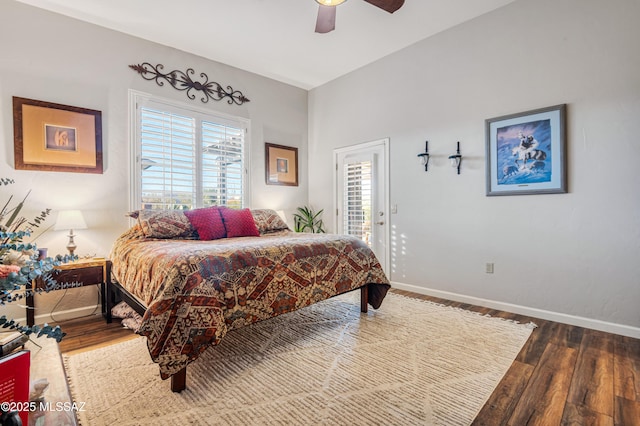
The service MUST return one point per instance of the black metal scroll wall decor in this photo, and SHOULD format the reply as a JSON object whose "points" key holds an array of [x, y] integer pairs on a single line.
{"points": [[182, 81]]}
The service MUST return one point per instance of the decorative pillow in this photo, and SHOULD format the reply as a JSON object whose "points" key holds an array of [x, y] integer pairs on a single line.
{"points": [[130, 318], [268, 220], [164, 223], [239, 223], [207, 222], [122, 310]]}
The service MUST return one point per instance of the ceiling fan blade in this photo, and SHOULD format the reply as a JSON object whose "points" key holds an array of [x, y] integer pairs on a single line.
{"points": [[326, 21], [388, 5]]}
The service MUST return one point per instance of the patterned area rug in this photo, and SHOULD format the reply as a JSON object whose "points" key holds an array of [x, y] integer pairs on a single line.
{"points": [[409, 363]]}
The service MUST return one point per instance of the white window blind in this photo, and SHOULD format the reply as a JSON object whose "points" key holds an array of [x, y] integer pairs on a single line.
{"points": [[222, 164], [167, 160], [188, 159], [358, 199]]}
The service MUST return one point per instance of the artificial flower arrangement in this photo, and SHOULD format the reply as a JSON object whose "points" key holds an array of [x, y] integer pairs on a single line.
{"points": [[20, 264]]}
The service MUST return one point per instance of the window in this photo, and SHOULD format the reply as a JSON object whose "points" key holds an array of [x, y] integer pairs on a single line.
{"points": [[186, 158], [358, 199]]}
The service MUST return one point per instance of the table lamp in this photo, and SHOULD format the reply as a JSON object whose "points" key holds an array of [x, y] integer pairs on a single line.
{"points": [[70, 219]]}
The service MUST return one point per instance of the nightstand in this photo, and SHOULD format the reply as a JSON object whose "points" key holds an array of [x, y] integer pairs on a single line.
{"points": [[83, 271]]}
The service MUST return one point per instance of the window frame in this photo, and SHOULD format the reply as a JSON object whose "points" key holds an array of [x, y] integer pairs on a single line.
{"points": [[137, 99]]}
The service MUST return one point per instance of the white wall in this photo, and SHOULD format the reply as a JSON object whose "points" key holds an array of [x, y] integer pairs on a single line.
{"points": [[52, 58], [573, 257]]}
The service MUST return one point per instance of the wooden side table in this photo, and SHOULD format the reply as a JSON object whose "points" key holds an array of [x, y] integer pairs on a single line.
{"points": [[84, 272]]}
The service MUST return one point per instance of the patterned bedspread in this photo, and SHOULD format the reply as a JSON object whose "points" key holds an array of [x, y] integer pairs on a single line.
{"points": [[196, 291]]}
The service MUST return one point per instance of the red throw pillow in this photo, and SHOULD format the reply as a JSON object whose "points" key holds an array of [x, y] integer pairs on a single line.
{"points": [[239, 223], [208, 222]]}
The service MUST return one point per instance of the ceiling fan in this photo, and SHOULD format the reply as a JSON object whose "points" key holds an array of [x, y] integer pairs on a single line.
{"points": [[326, 21]]}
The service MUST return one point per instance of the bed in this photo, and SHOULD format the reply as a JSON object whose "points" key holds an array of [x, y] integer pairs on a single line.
{"points": [[195, 276]]}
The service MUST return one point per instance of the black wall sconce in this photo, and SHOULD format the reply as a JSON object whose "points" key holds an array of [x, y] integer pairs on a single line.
{"points": [[456, 158], [424, 157]]}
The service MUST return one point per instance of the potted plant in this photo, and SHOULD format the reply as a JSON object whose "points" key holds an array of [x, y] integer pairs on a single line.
{"points": [[20, 264], [306, 220]]}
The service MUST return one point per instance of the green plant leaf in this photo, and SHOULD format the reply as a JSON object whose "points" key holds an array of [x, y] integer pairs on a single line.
{"points": [[307, 220], [14, 286]]}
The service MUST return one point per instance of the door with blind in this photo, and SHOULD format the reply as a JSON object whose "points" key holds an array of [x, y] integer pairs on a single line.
{"points": [[362, 195]]}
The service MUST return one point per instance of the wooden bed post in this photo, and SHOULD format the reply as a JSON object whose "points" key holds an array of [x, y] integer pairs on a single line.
{"points": [[364, 298], [179, 381]]}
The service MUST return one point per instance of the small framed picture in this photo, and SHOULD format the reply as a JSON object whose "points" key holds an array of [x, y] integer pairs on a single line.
{"points": [[60, 138], [56, 138], [281, 165], [526, 152]]}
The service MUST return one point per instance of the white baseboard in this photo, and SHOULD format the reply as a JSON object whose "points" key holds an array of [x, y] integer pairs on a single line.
{"points": [[63, 315], [609, 327]]}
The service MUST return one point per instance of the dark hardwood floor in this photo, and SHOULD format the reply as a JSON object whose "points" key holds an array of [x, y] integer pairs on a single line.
{"points": [[564, 375]]}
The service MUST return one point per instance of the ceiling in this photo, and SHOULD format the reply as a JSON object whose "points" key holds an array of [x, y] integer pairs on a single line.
{"points": [[276, 38]]}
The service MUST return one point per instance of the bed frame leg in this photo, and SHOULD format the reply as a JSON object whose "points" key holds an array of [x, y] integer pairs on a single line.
{"points": [[364, 298], [179, 381]]}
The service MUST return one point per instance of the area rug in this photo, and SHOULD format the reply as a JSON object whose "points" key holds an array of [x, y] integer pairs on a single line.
{"points": [[409, 363]]}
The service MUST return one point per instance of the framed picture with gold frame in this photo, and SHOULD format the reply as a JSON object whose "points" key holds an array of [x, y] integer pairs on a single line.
{"points": [[56, 138], [281, 165]]}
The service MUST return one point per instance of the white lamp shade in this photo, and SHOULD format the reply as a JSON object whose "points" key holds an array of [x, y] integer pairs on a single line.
{"points": [[330, 2], [69, 219]]}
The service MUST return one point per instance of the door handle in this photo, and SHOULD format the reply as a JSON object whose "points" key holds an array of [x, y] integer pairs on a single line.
{"points": [[380, 223]]}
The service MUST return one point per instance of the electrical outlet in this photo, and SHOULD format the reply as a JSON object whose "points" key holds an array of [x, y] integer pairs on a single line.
{"points": [[489, 268], [394, 209]]}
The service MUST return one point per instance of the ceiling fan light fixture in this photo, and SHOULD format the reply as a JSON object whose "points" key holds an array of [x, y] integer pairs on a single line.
{"points": [[326, 20], [330, 2]]}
